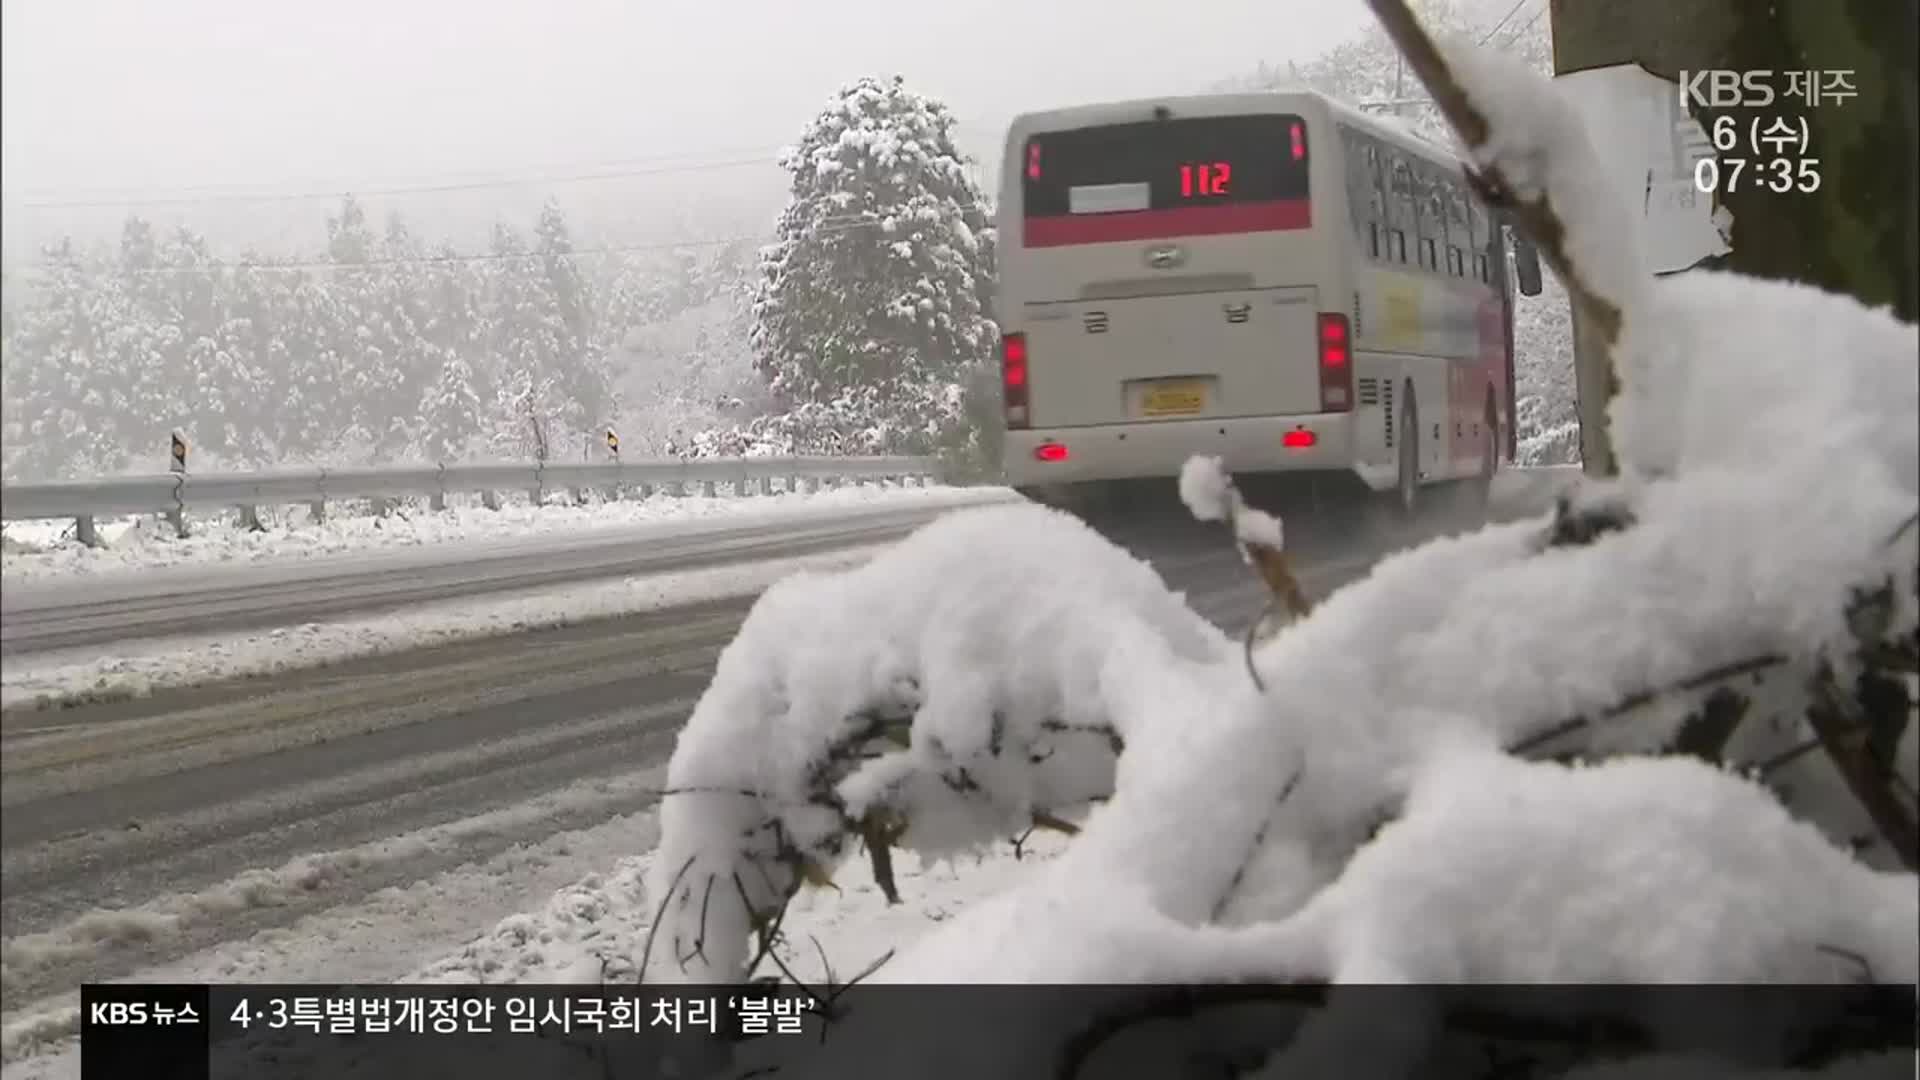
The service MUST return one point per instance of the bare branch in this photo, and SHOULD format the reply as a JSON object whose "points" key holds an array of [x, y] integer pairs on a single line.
{"points": [[1044, 820], [879, 829], [700, 939], [646, 951], [1787, 757], [1259, 840], [1847, 736], [1019, 844], [1749, 666], [1864, 965]]}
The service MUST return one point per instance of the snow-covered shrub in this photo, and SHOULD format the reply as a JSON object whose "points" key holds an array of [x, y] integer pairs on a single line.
{"points": [[932, 713]]}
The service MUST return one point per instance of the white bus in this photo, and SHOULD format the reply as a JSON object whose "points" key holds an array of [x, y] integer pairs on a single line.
{"points": [[1274, 278]]}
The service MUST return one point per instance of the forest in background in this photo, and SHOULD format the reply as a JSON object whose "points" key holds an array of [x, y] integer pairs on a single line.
{"points": [[863, 326]]}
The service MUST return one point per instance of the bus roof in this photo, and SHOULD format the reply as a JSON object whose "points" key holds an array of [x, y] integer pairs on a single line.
{"points": [[1302, 100]]}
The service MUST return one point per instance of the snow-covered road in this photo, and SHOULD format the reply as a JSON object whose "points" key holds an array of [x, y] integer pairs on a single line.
{"points": [[45, 611]]}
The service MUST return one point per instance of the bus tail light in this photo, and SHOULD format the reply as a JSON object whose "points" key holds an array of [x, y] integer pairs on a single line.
{"points": [[1336, 363], [1298, 439], [1013, 378], [1052, 451]]}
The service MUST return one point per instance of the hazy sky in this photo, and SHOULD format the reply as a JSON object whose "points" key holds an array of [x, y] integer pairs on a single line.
{"points": [[107, 99], [212, 112]]}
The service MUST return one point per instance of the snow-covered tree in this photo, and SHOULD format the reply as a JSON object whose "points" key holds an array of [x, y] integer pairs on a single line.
{"points": [[358, 337], [60, 382], [544, 368], [450, 414], [871, 314], [1357, 796]]}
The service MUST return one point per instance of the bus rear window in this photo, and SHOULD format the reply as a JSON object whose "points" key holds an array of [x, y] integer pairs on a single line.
{"points": [[1165, 165]]}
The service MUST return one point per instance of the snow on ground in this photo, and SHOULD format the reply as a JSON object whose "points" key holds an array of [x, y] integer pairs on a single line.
{"points": [[588, 931], [34, 549], [134, 669], [316, 873]]}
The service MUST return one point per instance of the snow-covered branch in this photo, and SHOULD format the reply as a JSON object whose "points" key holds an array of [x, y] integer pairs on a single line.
{"points": [[984, 672], [1366, 811]]}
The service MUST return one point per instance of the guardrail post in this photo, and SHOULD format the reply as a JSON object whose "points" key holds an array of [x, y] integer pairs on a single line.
{"points": [[382, 506], [707, 488], [84, 531], [490, 499], [438, 501], [317, 509], [250, 518]]}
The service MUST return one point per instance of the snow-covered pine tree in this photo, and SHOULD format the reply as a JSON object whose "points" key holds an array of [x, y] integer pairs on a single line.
{"points": [[871, 312], [568, 340], [452, 416], [368, 382], [400, 317], [250, 352], [56, 402], [311, 407]]}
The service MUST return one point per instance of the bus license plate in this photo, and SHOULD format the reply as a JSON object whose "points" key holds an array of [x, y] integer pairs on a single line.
{"points": [[1174, 399]]}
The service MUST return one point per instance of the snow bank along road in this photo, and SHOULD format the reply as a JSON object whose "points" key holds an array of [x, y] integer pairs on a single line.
{"points": [[67, 612], [141, 834]]}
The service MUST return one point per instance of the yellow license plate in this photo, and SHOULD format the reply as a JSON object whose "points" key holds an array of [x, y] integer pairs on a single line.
{"points": [[1174, 399]]}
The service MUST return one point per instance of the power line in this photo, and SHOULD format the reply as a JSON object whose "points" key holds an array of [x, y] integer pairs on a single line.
{"points": [[504, 176], [1503, 21], [621, 169], [414, 189], [1544, 7], [835, 227]]}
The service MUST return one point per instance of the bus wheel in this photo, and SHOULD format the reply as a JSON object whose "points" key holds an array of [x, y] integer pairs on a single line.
{"points": [[1407, 491]]}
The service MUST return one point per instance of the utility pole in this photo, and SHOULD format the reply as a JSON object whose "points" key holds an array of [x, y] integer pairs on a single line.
{"points": [[1858, 232]]}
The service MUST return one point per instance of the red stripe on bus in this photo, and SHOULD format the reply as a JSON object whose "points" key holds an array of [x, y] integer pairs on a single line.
{"points": [[1161, 224]]}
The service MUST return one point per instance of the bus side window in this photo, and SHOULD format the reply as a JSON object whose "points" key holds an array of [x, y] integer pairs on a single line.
{"points": [[1365, 190], [1480, 239], [1430, 197], [1401, 212], [1458, 231]]}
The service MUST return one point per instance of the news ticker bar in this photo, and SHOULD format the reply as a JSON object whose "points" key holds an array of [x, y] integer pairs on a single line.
{"points": [[180, 1031], [245, 1032]]}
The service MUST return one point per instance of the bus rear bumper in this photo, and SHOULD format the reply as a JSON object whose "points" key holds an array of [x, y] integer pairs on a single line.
{"points": [[1159, 448]]}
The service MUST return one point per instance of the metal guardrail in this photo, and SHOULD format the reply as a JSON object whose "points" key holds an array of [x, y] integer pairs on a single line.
{"points": [[174, 493]]}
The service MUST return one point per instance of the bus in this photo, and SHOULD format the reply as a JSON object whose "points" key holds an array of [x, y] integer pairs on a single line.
{"points": [[1277, 279]]}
